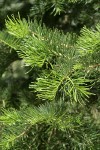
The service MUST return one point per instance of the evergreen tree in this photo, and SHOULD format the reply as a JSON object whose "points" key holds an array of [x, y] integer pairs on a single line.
{"points": [[65, 70]]}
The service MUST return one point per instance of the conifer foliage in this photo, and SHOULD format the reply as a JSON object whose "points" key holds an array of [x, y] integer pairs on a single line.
{"points": [[60, 115]]}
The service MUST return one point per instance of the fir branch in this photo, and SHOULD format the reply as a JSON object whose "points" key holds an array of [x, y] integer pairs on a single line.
{"points": [[88, 46], [89, 40], [9, 40], [56, 6], [57, 115], [17, 27], [34, 51], [47, 86]]}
